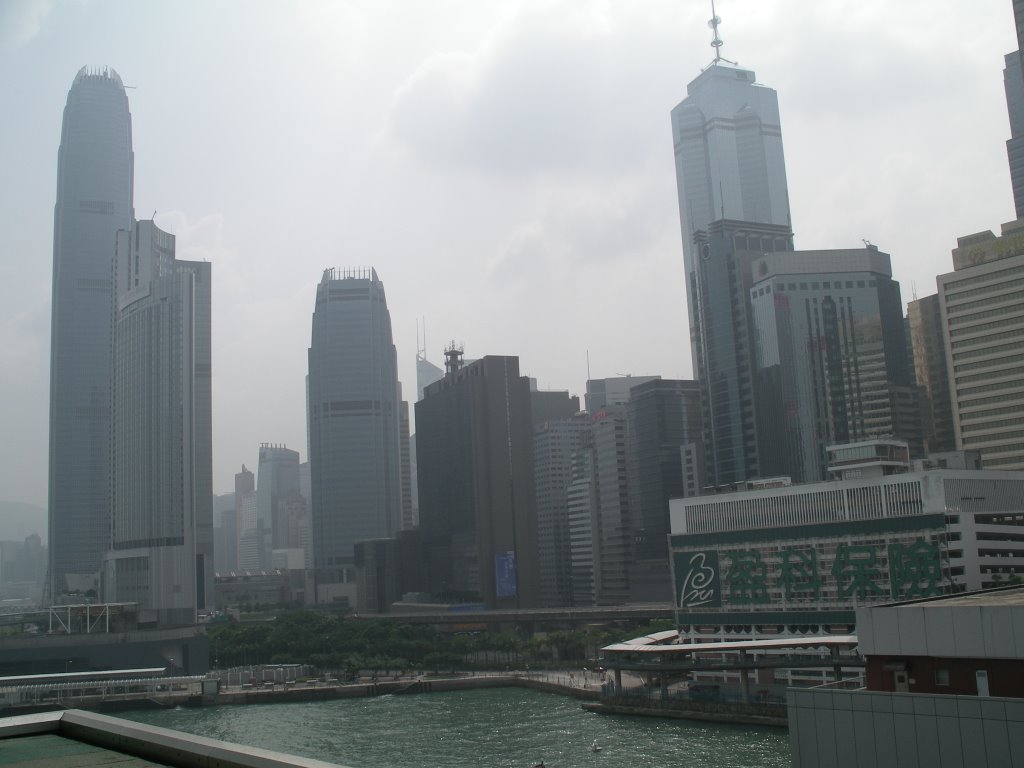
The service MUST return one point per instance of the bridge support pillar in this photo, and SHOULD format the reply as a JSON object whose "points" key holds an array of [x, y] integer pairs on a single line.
{"points": [[744, 680]]}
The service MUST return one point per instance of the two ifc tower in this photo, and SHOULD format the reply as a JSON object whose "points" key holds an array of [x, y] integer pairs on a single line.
{"points": [[130, 470]]}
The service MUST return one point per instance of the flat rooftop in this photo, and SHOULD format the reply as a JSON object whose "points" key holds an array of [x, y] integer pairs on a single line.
{"points": [[73, 738]]}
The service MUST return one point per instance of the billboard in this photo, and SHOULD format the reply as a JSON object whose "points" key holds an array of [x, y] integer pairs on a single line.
{"points": [[505, 575]]}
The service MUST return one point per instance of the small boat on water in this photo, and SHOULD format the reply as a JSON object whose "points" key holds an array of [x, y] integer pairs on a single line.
{"points": [[595, 747]]}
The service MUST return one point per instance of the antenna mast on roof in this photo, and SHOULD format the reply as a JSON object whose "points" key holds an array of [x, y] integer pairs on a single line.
{"points": [[717, 43]]}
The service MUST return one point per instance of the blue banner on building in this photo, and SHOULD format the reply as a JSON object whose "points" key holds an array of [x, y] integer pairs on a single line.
{"points": [[505, 575]]}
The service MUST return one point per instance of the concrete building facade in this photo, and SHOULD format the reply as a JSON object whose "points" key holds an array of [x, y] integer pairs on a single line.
{"points": [[474, 443], [983, 318], [161, 545]]}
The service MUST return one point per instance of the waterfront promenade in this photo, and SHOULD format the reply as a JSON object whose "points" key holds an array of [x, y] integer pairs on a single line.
{"points": [[591, 687]]}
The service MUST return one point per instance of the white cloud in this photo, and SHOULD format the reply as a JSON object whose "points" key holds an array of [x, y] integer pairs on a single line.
{"points": [[21, 21]]}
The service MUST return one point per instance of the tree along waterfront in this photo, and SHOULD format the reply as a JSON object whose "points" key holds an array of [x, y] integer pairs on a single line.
{"points": [[349, 644]]}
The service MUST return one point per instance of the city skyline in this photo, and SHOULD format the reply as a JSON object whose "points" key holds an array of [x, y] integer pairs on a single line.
{"points": [[585, 197]]}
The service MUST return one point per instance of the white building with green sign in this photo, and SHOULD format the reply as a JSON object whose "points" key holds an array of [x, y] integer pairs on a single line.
{"points": [[801, 559]]}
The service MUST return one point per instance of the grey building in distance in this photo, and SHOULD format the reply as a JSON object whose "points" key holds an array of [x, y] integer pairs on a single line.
{"points": [[664, 432], [354, 412], [1013, 82], [94, 201], [559, 431], [474, 441], [161, 546]]}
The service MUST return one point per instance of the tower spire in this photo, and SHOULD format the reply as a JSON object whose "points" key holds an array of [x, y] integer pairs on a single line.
{"points": [[714, 23]]}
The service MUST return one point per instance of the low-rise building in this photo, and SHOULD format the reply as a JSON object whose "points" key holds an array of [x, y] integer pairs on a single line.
{"points": [[801, 559], [944, 685]]}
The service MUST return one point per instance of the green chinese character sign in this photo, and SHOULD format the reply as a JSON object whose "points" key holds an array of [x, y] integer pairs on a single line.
{"points": [[856, 571], [915, 570], [747, 578], [799, 577]]}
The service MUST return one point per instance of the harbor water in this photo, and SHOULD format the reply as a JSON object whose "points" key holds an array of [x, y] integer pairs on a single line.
{"points": [[495, 727]]}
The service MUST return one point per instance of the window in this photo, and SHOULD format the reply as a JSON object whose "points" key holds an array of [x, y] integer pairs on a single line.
{"points": [[942, 677]]}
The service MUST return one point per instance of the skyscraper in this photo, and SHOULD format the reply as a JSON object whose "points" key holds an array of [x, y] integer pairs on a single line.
{"points": [[474, 440], [663, 430], [831, 357], [94, 201], [161, 546], [733, 202], [277, 492], [931, 373], [983, 317], [1013, 82], [354, 453]]}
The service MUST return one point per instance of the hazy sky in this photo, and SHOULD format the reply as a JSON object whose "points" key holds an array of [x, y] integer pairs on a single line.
{"points": [[506, 167]]}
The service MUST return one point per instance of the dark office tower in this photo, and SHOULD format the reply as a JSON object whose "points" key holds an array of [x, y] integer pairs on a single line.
{"points": [[724, 346], [161, 550], [354, 455], [94, 201], [612, 517], [664, 431], [733, 202], [931, 373], [474, 441], [832, 363], [277, 488], [559, 432], [1013, 81]]}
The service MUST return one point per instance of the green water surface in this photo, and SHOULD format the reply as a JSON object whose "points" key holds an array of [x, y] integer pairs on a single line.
{"points": [[496, 727]]}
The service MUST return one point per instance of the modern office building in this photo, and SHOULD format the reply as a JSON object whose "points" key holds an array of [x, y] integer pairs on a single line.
{"points": [[354, 412], [410, 517], [799, 559], [474, 441], [611, 515], [733, 206], [831, 357], [931, 374], [580, 506], [1013, 82], [602, 393], [94, 201], [664, 430], [161, 545], [722, 335], [983, 317], [729, 161], [225, 534], [277, 490], [247, 547], [555, 442]]}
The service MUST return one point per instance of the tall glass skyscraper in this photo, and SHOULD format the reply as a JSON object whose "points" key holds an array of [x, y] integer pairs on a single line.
{"points": [[94, 201], [354, 454], [733, 200]]}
